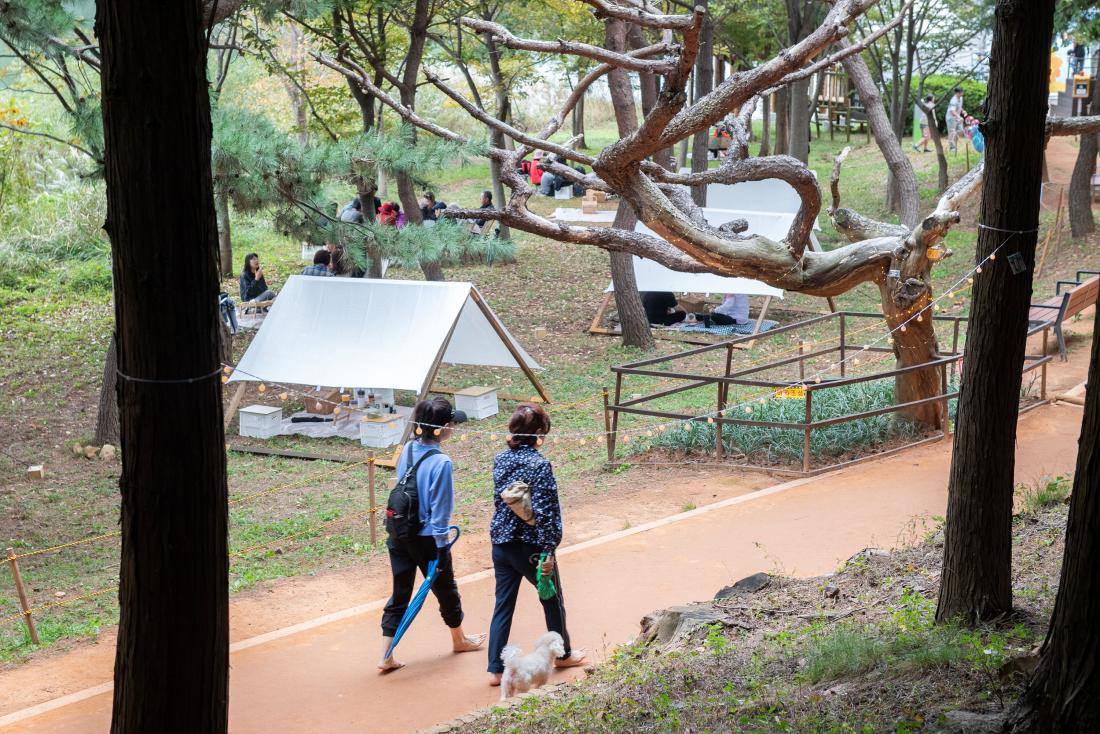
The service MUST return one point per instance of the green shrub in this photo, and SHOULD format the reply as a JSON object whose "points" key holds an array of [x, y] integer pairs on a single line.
{"points": [[786, 444], [1043, 494], [60, 225], [88, 275], [940, 86]]}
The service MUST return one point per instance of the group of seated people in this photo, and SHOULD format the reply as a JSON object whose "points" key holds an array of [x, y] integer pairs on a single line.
{"points": [[662, 309], [550, 183], [389, 213]]}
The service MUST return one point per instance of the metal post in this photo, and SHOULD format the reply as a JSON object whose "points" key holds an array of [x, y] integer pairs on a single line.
{"points": [[842, 344], [373, 506], [1043, 383], [806, 437], [946, 406], [718, 422], [801, 361], [14, 564], [614, 431], [955, 347], [607, 428]]}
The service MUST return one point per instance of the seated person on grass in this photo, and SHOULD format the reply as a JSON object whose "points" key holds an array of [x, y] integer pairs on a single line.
{"points": [[252, 283], [321, 265], [734, 309]]}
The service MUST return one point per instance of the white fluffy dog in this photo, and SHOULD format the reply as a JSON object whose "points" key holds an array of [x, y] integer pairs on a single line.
{"points": [[524, 672]]}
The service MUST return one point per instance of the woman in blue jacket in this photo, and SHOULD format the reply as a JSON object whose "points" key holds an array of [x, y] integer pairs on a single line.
{"points": [[435, 420], [517, 546]]}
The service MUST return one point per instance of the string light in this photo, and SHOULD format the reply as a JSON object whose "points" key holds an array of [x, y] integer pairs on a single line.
{"points": [[261, 387], [683, 424], [283, 396], [224, 379]]}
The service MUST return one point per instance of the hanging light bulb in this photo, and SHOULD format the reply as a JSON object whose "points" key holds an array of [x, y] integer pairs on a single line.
{"points": [[903, 328], [710, 419], [224, 379], [978, 269], [992, 256], [649, 433], [227, 370], [970, 281], [262, 387], [748, 408], [283, 396], [336, 410]]}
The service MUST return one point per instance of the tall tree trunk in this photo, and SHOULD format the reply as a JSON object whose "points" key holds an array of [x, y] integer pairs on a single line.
{"points": [[782, 113], [578, 123], [1064, 694], [504, 113], [704, 79], [225, 235], [976, 583], [628, 302], [901, 169], [766, 128], [406, 188], [647, 84], [106, 424], [937, 142], [172, 658], [799, 111], [1081, 222]]}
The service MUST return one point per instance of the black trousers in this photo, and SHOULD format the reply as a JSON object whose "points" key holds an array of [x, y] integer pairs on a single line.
{"points": [[514, 562], [405, 559]]}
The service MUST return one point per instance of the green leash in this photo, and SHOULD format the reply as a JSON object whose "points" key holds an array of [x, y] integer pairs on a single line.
{"points": [[546, 587]]}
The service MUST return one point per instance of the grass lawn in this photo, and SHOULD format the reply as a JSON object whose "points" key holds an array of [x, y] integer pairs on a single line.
{"points": [[292, 517]]}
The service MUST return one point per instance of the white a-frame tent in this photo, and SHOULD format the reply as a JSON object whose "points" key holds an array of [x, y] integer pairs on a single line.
{"points": [[356, 332]]}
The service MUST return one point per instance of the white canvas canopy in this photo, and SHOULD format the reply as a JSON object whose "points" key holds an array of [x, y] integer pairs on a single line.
{"points": [[354, 332]]}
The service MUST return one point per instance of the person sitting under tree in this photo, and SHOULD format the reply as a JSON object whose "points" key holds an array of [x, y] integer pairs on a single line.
{"points": [[321, 266]]}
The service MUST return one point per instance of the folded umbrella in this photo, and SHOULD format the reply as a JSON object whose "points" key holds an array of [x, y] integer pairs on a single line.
{"points": [[421, 594]]}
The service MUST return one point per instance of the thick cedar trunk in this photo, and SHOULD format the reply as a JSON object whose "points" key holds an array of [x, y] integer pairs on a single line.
{"points": [[1081, 222], [106, 424], [976, 583], [171, 664], [1064, 695], [704, 80], [766, 128], [904, 180], [799, 115], [628, 302], [225, 234]]}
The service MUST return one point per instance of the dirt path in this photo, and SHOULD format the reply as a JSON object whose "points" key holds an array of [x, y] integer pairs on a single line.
{"points": [[319, 675]]}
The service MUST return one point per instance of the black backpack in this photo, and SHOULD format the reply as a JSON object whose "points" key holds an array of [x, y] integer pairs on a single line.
{"points": [[403, 507]]}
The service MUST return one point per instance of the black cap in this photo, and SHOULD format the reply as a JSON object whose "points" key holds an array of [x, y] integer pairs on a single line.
{"points": [[458, 416]]}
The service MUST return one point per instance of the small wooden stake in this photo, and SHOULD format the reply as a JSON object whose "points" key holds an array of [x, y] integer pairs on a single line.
{"points": [[607, 427], [373, 506], [22, 596]]}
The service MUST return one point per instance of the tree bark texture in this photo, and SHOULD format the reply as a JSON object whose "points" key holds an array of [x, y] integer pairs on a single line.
{"points": [[1064, 694], [578, 123], [976, 583], [1081, 221], [704, 81], [901, 169], [782, 113], [766, 127], [799, 111], [106, 424], [225, 234], [171, 664], [628, 302], [503, 112]]}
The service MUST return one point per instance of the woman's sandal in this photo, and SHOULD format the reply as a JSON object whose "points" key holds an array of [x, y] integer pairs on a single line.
{"points": [[576, 657]]}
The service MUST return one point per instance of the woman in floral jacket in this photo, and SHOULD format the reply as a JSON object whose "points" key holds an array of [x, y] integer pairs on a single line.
{"points": [[517, 546]]}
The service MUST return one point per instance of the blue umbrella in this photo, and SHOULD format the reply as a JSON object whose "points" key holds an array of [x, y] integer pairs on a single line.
{"points": [[421, 594]]}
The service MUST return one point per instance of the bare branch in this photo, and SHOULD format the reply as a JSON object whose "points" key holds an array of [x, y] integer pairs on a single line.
{"points": [[54, 138], [841, 54], [834, 179], [497, 124], [570, 48], [639, 16], [1072, 125]]}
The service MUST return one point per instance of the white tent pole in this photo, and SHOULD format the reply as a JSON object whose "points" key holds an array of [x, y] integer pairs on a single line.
{"points": [[508, 343]]}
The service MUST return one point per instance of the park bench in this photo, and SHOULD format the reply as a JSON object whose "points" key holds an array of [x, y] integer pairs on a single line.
{"points": [[1079, 295]]}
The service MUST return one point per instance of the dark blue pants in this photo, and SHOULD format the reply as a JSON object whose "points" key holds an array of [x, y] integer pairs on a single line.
{"points": [[514, 562]]}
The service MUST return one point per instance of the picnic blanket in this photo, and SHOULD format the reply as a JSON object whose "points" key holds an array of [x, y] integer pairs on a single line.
{"points": [[728, 330]]}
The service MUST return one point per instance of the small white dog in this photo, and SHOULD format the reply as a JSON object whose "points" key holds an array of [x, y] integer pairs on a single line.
{"points": [[524, 672]]}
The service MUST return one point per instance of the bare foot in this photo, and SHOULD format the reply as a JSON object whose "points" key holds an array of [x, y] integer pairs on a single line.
{"points": [[494, 679], [388, 665], [577, 657], [469, 643]]}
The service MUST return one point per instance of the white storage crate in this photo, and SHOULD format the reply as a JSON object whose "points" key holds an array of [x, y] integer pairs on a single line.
{"points": [[380, 432], [565, 192], [477, 402], [261, 421]]}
